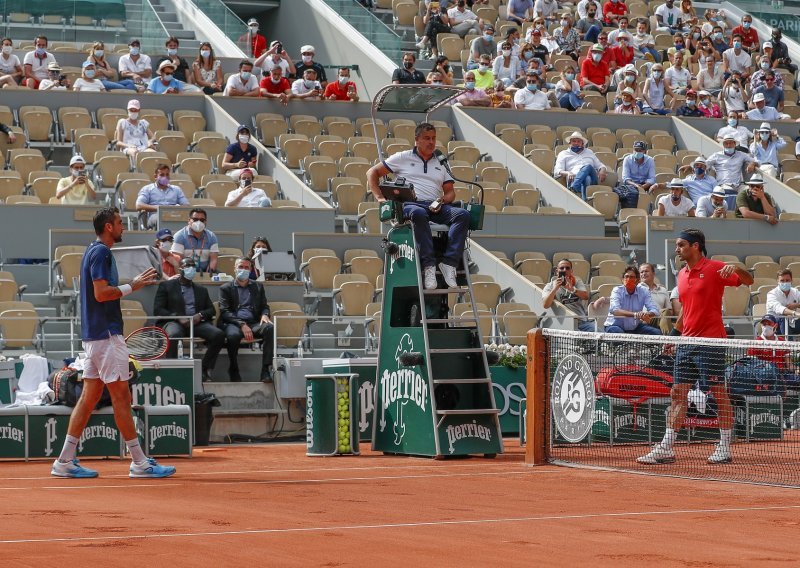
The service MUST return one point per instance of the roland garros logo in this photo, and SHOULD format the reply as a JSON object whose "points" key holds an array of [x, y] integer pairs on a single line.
{"points": [[573, 398]]}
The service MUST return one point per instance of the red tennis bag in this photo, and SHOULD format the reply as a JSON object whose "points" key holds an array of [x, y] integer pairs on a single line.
{"points": [[637, 383]]}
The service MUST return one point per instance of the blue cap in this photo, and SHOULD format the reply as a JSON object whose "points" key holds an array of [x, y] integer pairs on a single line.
{"points": [[242, 127], [770, 318], [163, 234]]}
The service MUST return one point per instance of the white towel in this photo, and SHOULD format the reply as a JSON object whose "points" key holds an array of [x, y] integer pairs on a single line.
{"points": [[42, 395], [35, 371]]}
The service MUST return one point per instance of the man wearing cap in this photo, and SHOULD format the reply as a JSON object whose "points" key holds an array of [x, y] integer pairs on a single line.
{"points": [[274, 58], [531, 97], [256, 44], [243, 83], [87, 81], [761, 111], [754, 202], [56, 81], [708, 107], [579, 165], [463, 21], [730, 161], [781, 358], [307, 87], [241, 154], [783, 302], [595, 75], [135, 65], [540, 50], [713, 205], [675, 204], [740, 133], [773, 95], [163, 244], [246, 195], [689, 108], [133, 134], [190, 310], [765, 148], [76, 188], [165, 83], [158, 193], [483, 45], [638, 175], [307, 62], [567, 38], [276, 86], [699, 183], [36, 63]]}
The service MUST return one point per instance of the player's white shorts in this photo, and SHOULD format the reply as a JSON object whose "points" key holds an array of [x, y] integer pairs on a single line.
{"points": [[106, 359]]}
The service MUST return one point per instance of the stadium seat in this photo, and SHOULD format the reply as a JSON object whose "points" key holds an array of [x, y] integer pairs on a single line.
{"points": [[351, 295], [72, 118], [19, 324], [293, 148], [189, 122]]}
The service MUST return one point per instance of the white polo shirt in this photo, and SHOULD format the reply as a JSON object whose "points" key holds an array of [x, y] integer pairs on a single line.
{"points": [[427, 177], [39, 66], [235, 82], [531, 101], [126, 64], [252, 199]]}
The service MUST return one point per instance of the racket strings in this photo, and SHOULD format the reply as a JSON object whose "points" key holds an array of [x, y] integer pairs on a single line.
{"points": [[147, 343]]}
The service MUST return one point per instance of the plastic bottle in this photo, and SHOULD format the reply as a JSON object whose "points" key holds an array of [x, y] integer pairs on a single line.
{"points": [[180, 349], [300, 349]]}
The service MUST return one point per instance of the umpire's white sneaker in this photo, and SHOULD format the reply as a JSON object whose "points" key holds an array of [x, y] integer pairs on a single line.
{"points": [[429, 277], [658, 455], [449, 274], [722, 454]]}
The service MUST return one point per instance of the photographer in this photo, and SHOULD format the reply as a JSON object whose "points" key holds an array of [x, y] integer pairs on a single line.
{"points": [[734, 94], [76, 188], [276, 56], [569, 290], [56, 80], [308, 87], [436, 21], [779, 53]]}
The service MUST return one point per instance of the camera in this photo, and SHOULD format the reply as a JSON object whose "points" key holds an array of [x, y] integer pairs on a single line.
{"points": [[279, 48], [562, 276]]}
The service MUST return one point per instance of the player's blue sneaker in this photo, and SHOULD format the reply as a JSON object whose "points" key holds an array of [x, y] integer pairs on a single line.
{"points": [[150, 468], [71, 469]]}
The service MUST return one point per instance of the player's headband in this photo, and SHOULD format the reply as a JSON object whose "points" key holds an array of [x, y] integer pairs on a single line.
{"points": [[693, 238]]}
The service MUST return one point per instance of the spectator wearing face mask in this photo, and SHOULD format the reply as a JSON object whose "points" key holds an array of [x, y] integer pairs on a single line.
{"points": [[197, 242], [783, 302], [759, 78], [753, 202], [579, 165], [243, 83], [407, 74], [595, 74], [567, 37], [773, 95], [135, 65], [675, 204], [531, 97], [484, 45], [734, 94], [307, 53], [780, 358], [506, 65], [631, 308], [645, 43], [472, 96], [276, 56], [275, 86], [133, 134], [750, 41], [589, 26], [568, 90], [241, 154], [246, 195], [36, 63], [627, 103], [165, 83], [158, 193], [761, 111], [718, 40], [87, 81], [162, 245], [710, 78], [343, 89], [708, 106], [254, 43], [622, 27], [654, 92], [699, 183], [689, 108], [779, 53], [207, 70], [713, 205], [638, 175], [307, 87], [612, 11], [765, 149], [730, 162], [737, 59], [76, 188], [463, 21], [182, 71], [104, 72]]}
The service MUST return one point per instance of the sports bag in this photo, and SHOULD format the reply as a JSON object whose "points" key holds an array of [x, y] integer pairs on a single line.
{"points": [[67, 385], [637, 383], [750, 376]]}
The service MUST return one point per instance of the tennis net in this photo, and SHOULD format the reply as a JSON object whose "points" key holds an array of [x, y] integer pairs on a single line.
{"points": [[687, 407]]}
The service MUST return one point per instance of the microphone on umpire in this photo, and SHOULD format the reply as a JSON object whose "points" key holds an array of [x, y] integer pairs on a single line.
{"points": [[442, 158]]}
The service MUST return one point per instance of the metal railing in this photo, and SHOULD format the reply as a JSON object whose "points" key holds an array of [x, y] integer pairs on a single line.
{"points": [[370, 26]]}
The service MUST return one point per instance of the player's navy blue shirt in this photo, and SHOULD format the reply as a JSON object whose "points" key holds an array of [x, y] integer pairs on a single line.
{"points": [[99, 320]]}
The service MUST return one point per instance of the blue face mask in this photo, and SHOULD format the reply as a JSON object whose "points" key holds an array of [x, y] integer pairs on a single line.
{"points": [[638, 155], [40, 51], [746, 25], [737, 45], [488, 37], [785, 286], [189, 272], [245, 75], [729, 151], [569, 76], [469, 85], [699, 171], [242, 274], [690, 103], [528, 54], [732, 122], [533, 87], [134, 51], [576, 149]]}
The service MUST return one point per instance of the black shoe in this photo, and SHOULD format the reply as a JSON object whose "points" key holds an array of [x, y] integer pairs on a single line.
{"points": [[207, 376], [266, 376], [234, 375]]}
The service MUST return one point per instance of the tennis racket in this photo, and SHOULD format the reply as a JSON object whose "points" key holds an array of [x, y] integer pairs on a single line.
{"points": [[147, 343]]}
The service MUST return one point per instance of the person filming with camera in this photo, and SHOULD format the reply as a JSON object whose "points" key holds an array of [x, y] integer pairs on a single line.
{"points": [[569, 290]]}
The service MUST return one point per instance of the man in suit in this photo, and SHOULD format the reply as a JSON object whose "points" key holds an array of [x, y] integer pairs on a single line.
{"points": [[186, 300], [244, 314]]}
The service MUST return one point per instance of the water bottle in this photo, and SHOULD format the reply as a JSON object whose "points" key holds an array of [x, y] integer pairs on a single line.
{"points": [[180, 349], [300, 349]]}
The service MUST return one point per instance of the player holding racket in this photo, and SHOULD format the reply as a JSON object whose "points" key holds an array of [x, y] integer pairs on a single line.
{"points": [[106, 352], [701, 284]]}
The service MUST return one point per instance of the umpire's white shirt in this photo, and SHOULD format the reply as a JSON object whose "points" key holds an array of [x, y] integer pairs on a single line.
{"points": [[427, 177]]}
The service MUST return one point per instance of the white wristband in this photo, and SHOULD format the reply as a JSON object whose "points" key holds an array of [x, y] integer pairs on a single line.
{"points": [[125, 289]]}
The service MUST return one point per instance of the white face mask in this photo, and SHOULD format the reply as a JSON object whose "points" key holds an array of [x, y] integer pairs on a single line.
{"points": [[133, 115], [767, 331], [275, 81], [506, 52], [343, 80], [167, 77], [165, 246], [307, 59], [198, 226], [76, 172], [7, 49], [244, 139]]}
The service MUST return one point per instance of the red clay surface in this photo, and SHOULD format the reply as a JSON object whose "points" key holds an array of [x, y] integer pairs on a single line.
{"points": [[273, 506]]}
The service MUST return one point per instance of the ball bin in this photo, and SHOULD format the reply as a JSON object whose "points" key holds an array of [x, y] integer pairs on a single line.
{"points": [[331, 415]]}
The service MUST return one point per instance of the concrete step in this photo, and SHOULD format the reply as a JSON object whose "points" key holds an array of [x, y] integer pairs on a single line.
{"points": [[245, 396]]}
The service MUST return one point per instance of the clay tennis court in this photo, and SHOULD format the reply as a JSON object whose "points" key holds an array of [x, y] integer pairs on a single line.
{"points": [[271, 505]]}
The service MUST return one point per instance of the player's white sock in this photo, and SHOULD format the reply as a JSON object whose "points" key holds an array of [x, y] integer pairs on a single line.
{"points": [[137, 454], [669, 438], [69, 450], [725, 438]]}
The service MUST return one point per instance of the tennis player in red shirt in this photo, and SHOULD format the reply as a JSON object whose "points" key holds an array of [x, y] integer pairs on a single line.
{"points": [[701, 284]]}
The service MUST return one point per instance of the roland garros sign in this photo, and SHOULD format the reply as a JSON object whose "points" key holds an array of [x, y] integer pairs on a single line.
{"points": [[573, 398]]}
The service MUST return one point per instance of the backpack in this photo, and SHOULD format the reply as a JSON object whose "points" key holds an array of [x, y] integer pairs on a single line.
{"points": [[750, 376]]}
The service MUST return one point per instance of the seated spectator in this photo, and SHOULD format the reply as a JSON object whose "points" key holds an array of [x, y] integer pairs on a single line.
{"points": [[408, 75], [675, 204], [567, 38], [37, 64], [506, 65], [625, 78], [638, 175], [193, 312], [246, 195], [484, 45], [694, 40], [689, 107], [165, 83], [442, 65], [781, 358], [568, 90], [463, 21], [436, 22], [207, 70], [11, 71], [434, 78], [761, 111], [729, 163], [713, 205], [620, 28], [244, 83], [708, 107], [158, 193], [76, 188], [584, 6], [540, 51], [737, 59], [579, 165], [275, 56], [595, 74], [710, 78], [571, 292], [473, 96], [259, 246], [343, 89], [241, 154], [56, 80], [307, 87], [484, 77], [87, 81], [103, 70], [244, 314], [499, 97], [135, 66], [688, 14], [631, 308], [706, 51], [133, 134], [773, 95], [669, 18], [275, 86], [699, 183], [659, 294], [531, 97], [778, 52], [547, 9], [8, 132], [755, 203], [644, 43], [613, 10], [623, 52], [589, 26], [163, 244], [654, 91], [182, 71], [679, 50], [197, 242], [765, 149], [718, 40], [627, 103], [520, 11], [783, 302], [535, 67], [677, 77], [307, 62], [759, 78], [740, 133]]}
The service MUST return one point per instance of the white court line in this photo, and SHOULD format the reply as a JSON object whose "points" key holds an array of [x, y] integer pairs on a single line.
{"points": [[135, 485], [406, 525]]}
